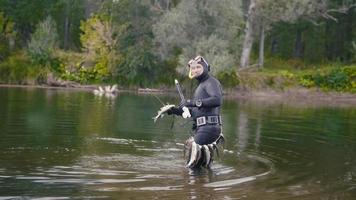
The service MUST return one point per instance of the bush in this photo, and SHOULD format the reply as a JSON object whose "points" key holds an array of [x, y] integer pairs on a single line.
{"points": [[7, 34], [228, 79], [43, 42], [279, 63], [339, 79], [82, 75], [19, 69]]}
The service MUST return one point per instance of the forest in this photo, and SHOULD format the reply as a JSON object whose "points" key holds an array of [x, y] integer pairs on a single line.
{"points": [[250, 44]]}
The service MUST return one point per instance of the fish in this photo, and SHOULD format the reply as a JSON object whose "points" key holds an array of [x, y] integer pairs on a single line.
{"points": [[162, 111], [207, 155], [215, 147], [199, 159], [193, 154], [188, 148], [211, 151]]}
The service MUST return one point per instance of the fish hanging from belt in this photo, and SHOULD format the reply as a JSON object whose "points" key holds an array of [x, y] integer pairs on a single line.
{"points": [[197, 155]]}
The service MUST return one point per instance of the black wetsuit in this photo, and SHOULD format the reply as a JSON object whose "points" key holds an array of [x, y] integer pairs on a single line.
{"points": [[209, 92]]}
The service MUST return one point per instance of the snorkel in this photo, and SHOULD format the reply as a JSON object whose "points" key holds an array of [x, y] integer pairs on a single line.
{"points": [[198, 61]]}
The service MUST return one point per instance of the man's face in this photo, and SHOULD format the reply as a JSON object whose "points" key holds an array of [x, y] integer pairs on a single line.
{"points": [[195, 71]]}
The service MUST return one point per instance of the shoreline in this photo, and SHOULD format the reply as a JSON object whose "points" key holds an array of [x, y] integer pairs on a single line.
{"points": [[297, 96]]}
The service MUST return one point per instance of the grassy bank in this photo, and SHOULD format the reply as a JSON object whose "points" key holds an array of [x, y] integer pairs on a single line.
{"points": [[328, 78], [277, 75]]}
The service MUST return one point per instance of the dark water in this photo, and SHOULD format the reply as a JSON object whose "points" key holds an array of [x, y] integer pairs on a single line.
{"points": [[58, 144]]}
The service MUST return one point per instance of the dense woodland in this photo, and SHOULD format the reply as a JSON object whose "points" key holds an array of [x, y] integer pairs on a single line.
{"points": [[147, 43]]}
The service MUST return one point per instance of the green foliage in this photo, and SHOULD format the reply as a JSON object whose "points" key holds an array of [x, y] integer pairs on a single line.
{"points": [[26, 14], [7, 33], [138, 67], [286, 74], [339, 79], [167, 71], [326, 41], [276, 63], [99, 40], [307, 81], [81, 75], [133, 20], [198, 27], [214, 50], [72, 68], [354, 51], [18, 68], [43, 43], [143, 42], [4, 50], [68, 15], [228, 79]]}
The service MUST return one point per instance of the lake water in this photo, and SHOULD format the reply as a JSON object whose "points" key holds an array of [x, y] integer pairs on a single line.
{"points": [[66, 144]]}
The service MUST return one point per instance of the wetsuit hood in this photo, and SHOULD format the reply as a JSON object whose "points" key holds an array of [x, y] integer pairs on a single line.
{"points": [[205, 74]]}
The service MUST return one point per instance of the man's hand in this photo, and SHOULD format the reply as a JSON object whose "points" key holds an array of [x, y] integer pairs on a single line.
{"points": [[191, 103], [187, 103]]}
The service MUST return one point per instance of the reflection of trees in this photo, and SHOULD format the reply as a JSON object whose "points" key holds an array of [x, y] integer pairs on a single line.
{"points": [[258, 131], [37, 130], [243, 131], [245, 121]]}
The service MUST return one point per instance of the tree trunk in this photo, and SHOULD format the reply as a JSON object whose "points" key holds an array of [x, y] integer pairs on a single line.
{"points": [[298, 46], [11, 43], [349, 30], [168, 5], [262, 46], [248, 41], [66, 26], [327, 49], [274, 45]]}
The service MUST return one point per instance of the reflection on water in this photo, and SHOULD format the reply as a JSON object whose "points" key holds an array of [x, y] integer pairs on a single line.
{"points": [[58, 144]]}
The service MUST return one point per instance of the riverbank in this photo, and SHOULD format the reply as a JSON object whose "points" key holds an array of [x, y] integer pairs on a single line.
{"points": [[296, 96]]}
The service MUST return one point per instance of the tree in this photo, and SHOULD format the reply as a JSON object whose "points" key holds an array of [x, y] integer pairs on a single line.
{"points": [[26, 14], [68, 14], [262, 14], [99, 41], [199, 27], [43, 42], [248, 40], [7, 36], [133, 19]]}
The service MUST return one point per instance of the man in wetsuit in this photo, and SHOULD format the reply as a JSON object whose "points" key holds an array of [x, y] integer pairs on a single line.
{"points": [[205, 105]]}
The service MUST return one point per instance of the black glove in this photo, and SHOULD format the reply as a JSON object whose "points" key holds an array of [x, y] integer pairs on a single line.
{"points": [[175, 111], [187, 103]]}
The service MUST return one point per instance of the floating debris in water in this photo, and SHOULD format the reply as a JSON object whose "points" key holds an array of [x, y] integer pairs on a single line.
{"points": [[228, 151], [108, 91]]}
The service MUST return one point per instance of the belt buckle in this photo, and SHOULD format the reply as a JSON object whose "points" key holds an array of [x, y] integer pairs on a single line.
{"points": [[201, 121], [213, 119]]}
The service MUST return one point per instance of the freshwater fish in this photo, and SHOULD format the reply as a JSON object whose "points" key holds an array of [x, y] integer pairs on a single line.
{"points": [[193, 154], [207, 158], [162, 111]]}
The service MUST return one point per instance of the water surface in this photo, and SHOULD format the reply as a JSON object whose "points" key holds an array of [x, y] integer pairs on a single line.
{"points": [[64, 144]]}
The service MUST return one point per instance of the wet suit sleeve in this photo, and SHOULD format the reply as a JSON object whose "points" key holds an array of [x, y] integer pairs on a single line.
{"points": [[175, 111], [213, 89]]}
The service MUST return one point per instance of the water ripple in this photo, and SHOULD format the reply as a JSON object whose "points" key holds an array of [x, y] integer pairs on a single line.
{"points": [[89, 181]]}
